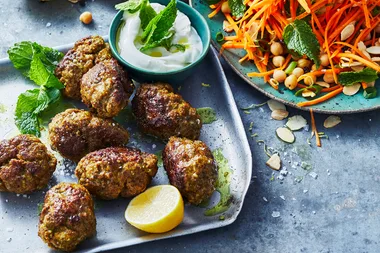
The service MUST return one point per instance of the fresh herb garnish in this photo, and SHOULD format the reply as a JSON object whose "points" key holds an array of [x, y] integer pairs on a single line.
{"points": [[208, 115], [370, 92], [156, 28], [38, 64], [223, 184], [131, 6], [299, 36], [366, 75], [237, 8]]}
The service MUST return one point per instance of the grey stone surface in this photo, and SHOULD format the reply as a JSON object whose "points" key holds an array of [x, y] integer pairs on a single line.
{"points": [[336, 212]]}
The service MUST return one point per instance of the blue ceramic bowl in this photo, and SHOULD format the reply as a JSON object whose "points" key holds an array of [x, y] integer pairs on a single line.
{"points": [[143, 75]]}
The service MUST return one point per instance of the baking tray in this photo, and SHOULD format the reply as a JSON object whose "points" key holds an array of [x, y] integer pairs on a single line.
{"points": [[19, 213]]}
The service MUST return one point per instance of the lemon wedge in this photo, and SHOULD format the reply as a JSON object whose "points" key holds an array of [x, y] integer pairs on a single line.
{"points": [[157, 210]]}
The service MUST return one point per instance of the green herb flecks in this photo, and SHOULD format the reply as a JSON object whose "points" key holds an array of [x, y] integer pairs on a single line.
{"points": [[208, 115], [299, 36], [366, 75], [253, 106], [39, 208], [160, 162], [206, 85], [237, 8], [223, 184], [38, 63]]}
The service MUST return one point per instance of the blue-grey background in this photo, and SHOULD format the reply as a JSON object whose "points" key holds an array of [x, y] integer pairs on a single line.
{"points": [[338, 211]]}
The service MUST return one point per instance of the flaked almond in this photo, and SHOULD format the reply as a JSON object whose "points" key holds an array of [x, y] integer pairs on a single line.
{"points": [[308, 93], [376, 59], [285, 135], [279, 114], [296, 122], [274, 162], [275, 105], [361, 46], [331, 121], [352, 64], [323, 84], [347, 32], [373, 50], [351, 90], [366, 54], [227, 26], [357, 68]]}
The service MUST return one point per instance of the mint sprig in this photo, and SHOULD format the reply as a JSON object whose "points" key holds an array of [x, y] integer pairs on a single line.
{"points": [[366, 75], [38, 64], [299, 36]]}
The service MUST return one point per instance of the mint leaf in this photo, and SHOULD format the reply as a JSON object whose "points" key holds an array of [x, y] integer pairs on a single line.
{"points": [[29, 105], [131, 6], [21, 55], [299, 36], [366, 75], [147, 13], [370, 92], [41, 75], [237, 8], [159, 26]]}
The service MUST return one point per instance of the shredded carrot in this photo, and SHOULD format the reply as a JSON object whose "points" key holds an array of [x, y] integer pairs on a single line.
{"points": [[364, 85], [216, 11], [321, 99], [314, 128]]}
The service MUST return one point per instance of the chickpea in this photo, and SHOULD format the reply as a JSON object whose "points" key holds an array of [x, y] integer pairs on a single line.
{"points": [[276, 48], [86, 17], [303, 63], [291, 82], [226, 8], [279, 75], [278, 61], [324, 60], [328, 77], [298, 72], [310, 79]]}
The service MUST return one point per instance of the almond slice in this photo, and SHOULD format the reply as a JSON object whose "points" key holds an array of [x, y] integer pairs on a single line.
{"points": [[296, 122], [227, 26], [274, 162], [331, 121], [285, 135], [279, 114], [275, 105], [351, 90], [323, 84], [373, 50], [347, 32], [308, 93]]}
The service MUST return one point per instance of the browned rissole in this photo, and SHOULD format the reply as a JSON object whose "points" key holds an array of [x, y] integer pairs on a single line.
{"points": [[112, 172], [106, 88], [162, 113], [75, 133], [191, 168], [67, 217], [25, 164], [78, 60]]}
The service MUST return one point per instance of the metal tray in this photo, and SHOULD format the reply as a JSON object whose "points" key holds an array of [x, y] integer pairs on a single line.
{"points": [[19, 213]]}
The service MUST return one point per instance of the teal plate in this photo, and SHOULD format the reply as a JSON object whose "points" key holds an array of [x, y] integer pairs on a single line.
{"points": [[341, 104]]}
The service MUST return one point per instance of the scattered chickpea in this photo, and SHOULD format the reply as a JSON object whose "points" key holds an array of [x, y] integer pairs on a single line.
{"points": [[328, 77], [278, 61], [276, 48], [291, 82], [298, 72], [86, 17], [324, 60], [279, 75], [303, 63], [226, 8]]}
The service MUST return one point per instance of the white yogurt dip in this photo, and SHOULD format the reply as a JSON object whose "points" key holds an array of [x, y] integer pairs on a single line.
{"points": [[159, 59]]}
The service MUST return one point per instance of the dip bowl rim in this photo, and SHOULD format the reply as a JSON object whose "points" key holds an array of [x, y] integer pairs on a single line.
{"points": [[182, 7]]}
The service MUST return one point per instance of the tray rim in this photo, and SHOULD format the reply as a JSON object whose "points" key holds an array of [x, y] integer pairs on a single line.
{"points": [[202, 227], [252, 84]]}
